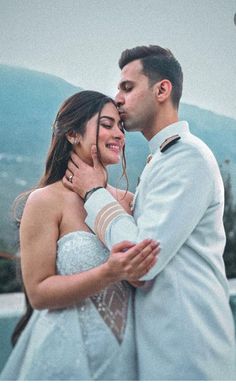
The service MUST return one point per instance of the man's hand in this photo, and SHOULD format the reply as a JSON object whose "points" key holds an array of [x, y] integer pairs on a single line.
{"points": [[81, 177]]}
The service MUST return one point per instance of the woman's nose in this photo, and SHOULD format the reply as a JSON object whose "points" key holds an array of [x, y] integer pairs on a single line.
{"points": [[118, 132]]}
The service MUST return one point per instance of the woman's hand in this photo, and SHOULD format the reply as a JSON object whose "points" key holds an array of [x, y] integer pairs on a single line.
{"points": [[129, 261], [137, 283]]}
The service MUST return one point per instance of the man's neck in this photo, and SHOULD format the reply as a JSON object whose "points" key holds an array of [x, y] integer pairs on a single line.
{"points": [[163, 120]]}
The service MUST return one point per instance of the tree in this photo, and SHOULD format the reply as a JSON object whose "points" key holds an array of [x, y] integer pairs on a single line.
{"points": [[229, 224], [9, 275]]}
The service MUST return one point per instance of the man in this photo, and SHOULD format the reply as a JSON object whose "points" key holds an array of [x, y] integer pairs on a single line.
{"points": [[184, 325]]}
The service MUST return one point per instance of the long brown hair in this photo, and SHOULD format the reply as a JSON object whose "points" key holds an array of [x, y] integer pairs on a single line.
{"points": [[72, 116]]}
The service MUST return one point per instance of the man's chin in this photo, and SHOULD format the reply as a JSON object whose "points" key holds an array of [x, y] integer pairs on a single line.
{"points": [[130, 127]]}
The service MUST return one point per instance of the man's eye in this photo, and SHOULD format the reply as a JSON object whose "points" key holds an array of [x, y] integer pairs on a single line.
{"points": [[127, 88], [121, 126]]}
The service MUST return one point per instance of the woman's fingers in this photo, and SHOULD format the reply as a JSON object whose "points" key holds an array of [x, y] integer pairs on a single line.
{"points": [[144, 256], [145, 270], [132, 261], [142, 249], [123, 246], [142, 262]]}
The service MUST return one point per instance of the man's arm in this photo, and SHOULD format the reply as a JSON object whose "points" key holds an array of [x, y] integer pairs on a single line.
{"points": [[176, 197]]}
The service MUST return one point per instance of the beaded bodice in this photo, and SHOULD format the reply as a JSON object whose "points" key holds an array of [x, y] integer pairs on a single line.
{"points": [[80, 251]]}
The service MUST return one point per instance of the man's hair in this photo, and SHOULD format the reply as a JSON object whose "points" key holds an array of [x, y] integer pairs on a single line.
{"points": [[158, 64]]}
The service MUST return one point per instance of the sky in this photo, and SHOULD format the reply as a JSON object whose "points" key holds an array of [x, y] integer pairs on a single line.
{"points": [[81, 41]]}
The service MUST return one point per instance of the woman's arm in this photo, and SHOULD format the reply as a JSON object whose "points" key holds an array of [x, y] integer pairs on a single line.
{"points": [[39, 234]]}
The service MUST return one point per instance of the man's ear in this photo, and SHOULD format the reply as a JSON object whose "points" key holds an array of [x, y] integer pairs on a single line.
{"points": [[163, 90], [72, 137]]}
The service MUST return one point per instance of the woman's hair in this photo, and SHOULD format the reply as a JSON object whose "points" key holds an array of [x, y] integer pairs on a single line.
{"points": [[72, 117]]}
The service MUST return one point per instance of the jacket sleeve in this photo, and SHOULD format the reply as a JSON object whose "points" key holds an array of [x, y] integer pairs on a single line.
{"points": [[178, 193]]}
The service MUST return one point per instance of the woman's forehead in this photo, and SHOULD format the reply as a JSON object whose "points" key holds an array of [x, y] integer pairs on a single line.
{"points": [[109, 108]]}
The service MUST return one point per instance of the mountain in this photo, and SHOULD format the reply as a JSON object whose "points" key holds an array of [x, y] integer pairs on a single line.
{"points": [[29, 101]]}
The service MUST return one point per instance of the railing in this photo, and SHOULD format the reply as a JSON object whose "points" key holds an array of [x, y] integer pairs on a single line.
{"points": [[12, 307]]}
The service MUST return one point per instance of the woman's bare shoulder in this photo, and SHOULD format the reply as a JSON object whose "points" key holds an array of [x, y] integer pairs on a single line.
{"points": [[46, 199], [44, 194]]}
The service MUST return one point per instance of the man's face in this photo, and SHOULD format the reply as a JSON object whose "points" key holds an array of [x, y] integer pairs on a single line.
{"points": [[136, 99]]}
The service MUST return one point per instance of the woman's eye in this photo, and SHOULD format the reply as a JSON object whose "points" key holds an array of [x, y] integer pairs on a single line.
{"points": [[107, 126]]}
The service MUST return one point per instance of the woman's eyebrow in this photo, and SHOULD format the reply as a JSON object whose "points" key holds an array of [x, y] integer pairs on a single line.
{"points": [[108, 117]]}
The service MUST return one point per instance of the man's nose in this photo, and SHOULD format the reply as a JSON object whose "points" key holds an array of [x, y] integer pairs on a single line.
{"points": [[119, 99]]}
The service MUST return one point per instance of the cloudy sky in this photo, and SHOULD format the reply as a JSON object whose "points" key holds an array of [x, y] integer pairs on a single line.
{"points": [[81, 41]]}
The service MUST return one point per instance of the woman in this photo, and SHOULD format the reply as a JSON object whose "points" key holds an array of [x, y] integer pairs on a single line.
{"points": [[81, 327]]}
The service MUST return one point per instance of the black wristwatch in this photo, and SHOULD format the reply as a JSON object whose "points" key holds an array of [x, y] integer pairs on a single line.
{"points": [[90, 192]]}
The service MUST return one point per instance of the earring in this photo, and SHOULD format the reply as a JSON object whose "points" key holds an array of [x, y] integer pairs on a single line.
{"points": [[76, 140]]}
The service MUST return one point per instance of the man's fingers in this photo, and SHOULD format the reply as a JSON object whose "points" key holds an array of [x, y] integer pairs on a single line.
{"points": [[72, 167], [67, 183], [76, 160], [94, 155]]}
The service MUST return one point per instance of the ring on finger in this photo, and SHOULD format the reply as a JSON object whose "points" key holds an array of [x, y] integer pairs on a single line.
{"points": [[70, 178]]}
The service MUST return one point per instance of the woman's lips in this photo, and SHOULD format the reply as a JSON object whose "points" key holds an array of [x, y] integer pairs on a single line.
{"points": [[114, 147]]}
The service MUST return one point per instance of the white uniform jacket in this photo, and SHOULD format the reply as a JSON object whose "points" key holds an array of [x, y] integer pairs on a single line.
{"points": [[184, 325]]}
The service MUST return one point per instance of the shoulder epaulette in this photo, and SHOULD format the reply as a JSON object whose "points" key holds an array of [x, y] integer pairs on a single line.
{"points": [[169, 142]]}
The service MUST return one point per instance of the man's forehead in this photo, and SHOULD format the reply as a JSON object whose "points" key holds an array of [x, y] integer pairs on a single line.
{"points": [[134, 67], [131, 71]]}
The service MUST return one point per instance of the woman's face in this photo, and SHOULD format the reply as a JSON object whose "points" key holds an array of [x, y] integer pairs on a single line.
{"points": [[110, 139]]}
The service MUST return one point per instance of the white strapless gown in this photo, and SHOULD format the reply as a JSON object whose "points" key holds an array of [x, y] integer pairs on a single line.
{"points": [[93, 340]]}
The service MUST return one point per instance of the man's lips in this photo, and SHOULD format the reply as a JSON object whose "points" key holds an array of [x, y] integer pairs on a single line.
{"points": [[122, 115]]}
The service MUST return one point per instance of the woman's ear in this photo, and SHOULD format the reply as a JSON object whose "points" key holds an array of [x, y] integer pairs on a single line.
{"points": [[72, 137], [163, 90]]}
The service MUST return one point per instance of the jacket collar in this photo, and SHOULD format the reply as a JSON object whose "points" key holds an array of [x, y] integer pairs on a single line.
{"points": [[180, 128]]}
